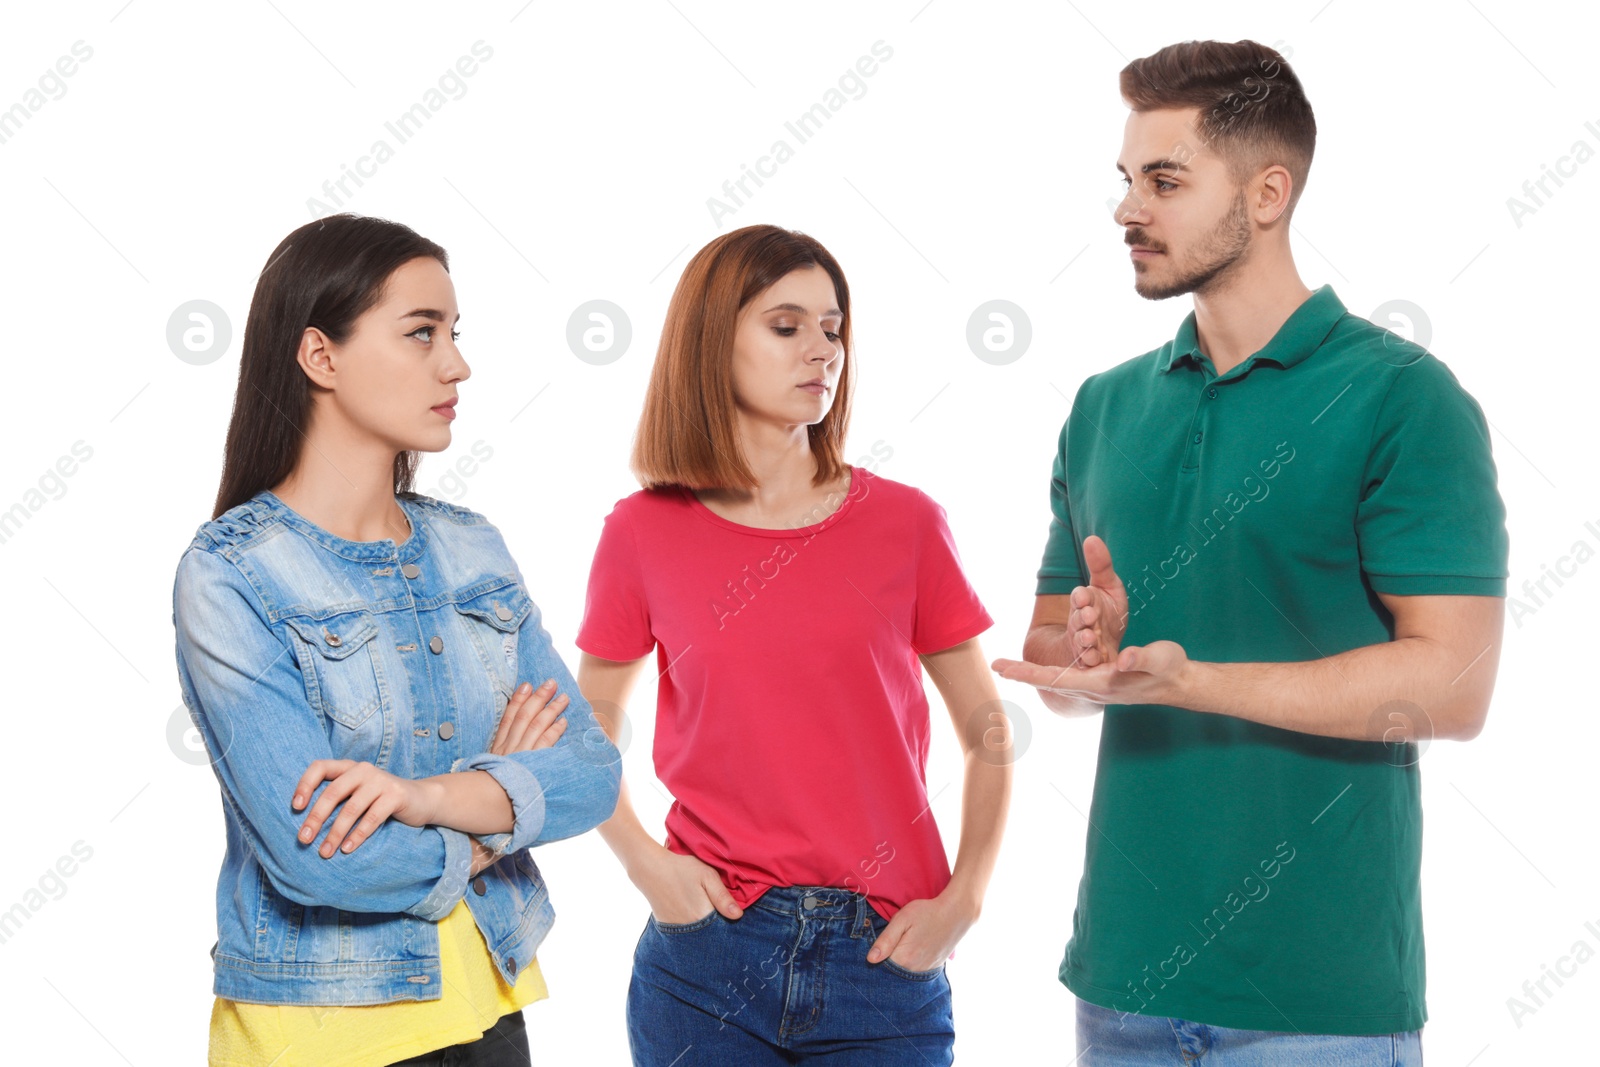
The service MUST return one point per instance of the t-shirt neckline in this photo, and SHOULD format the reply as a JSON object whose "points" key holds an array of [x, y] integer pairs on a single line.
{"points": [[838, 514]]}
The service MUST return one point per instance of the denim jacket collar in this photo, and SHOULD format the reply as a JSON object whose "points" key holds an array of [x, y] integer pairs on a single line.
{"points": [[383, 551]]}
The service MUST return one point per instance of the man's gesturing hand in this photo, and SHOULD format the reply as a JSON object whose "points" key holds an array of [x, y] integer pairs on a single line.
{"points": [[1073, 636], [1099, 616]]}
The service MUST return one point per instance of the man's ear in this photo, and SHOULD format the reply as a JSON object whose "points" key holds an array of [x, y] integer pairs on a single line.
{"points": [[1271, 192]]}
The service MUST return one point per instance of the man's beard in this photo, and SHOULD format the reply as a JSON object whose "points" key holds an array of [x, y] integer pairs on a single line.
{"points": [[1215, 255]]}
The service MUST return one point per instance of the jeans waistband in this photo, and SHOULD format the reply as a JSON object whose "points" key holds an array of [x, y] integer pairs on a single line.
{"points": [[817, 902]]}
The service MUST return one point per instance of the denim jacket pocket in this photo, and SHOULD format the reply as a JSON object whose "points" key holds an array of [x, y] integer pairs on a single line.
{"points": [[343, 679], [493, 620]]}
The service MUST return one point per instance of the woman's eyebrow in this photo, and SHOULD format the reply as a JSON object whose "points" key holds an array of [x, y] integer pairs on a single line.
{"points": [[833, 313], [428, 313]]}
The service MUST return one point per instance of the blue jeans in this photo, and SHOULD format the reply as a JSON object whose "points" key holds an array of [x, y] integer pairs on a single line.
{"points": [[1108, 1038], [786, 982]]}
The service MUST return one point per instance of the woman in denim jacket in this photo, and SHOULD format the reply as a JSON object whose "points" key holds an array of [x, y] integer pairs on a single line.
{"points": [[350, 652]]}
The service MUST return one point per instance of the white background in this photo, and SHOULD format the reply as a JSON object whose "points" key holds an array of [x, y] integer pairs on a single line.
{"points": [[577, 166]]}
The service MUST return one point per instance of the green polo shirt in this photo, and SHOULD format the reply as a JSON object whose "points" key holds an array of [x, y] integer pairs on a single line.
{"points": [[1237, 874]]}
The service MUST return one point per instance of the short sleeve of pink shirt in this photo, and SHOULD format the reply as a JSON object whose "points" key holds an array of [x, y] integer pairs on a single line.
{"points": [[792, 726]]}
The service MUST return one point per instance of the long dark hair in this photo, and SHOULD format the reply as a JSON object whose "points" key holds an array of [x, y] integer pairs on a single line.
{"points": [[325, 274]]}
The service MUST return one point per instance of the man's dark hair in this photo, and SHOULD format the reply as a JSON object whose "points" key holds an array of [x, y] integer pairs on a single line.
{"points": [[1253, 111]]}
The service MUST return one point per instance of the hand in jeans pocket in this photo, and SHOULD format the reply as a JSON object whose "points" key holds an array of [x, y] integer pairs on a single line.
{"points": [[682, 890]]}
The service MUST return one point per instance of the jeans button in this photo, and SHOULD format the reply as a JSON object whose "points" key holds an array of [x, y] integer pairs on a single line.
{"points": [[436, 644], [811, 902], [446, 731], [410, 570]]}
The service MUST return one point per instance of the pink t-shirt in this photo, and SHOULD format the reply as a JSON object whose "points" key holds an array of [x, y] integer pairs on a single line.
{"points": [[791, 724]]}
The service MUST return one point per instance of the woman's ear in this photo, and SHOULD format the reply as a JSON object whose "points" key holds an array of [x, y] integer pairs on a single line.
{"points": [[316, 357]]}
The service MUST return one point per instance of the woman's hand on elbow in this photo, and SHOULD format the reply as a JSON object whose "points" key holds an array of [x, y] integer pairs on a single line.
{"points": [[533, 719], [365, 796]]}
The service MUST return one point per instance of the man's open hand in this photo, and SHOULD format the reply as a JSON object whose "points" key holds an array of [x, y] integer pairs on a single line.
{"points": [[1099, 616]]}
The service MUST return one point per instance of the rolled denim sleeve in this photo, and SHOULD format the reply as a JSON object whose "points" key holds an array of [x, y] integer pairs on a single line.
{"points": [[246, 696], [560, 791]]}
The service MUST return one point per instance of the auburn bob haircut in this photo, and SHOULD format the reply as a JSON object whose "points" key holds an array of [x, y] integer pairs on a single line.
{"points": [[688, 432]]}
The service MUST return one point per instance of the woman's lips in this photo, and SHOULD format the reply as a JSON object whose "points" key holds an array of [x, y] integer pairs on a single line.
{"points": [[448, 412]]}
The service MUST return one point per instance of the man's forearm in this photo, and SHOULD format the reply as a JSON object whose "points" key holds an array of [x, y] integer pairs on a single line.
{"points": [[1409, 689]]}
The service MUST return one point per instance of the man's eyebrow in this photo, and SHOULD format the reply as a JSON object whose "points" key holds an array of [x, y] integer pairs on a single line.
{"points": [[831, 313], [428, 313], [1160, 164]]}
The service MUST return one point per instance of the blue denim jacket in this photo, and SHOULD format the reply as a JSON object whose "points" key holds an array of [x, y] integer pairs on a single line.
{"points": [[295, 645]]}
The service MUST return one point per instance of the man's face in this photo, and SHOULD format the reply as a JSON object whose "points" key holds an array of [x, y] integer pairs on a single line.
{"points": [[1183, 217]]}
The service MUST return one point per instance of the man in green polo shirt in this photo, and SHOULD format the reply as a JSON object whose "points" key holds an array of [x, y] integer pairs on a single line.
{"points": [[1310, 564]]}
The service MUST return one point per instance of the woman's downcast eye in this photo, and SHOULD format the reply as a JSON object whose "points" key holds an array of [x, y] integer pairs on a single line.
{"points": [[788, 331]]}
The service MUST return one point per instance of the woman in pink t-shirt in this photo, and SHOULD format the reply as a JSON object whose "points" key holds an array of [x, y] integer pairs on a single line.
{"points": [[802, 903]]}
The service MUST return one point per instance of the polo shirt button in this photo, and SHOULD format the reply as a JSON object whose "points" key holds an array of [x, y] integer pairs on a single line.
{"points": [[1212, 391], [478, 887], [446, 731], [436, 645], [1196, 441], [411, 570]]}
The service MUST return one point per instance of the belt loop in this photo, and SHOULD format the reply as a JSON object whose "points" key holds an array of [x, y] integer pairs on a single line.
{"points": [[863, 925]]}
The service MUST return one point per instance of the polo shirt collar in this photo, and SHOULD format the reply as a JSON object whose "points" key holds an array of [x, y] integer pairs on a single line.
{"points": [[1299, 336]]}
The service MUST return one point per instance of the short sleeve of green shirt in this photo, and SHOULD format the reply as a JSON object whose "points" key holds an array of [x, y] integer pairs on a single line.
{"points": [[1063, 568], [1430, 519]]}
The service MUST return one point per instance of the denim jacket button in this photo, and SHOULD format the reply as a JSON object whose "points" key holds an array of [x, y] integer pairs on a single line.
{"points": [[511, 964], [410, 570], [446, 731], [478, 887], [436, 645], [502, 613], [332, 639]]}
